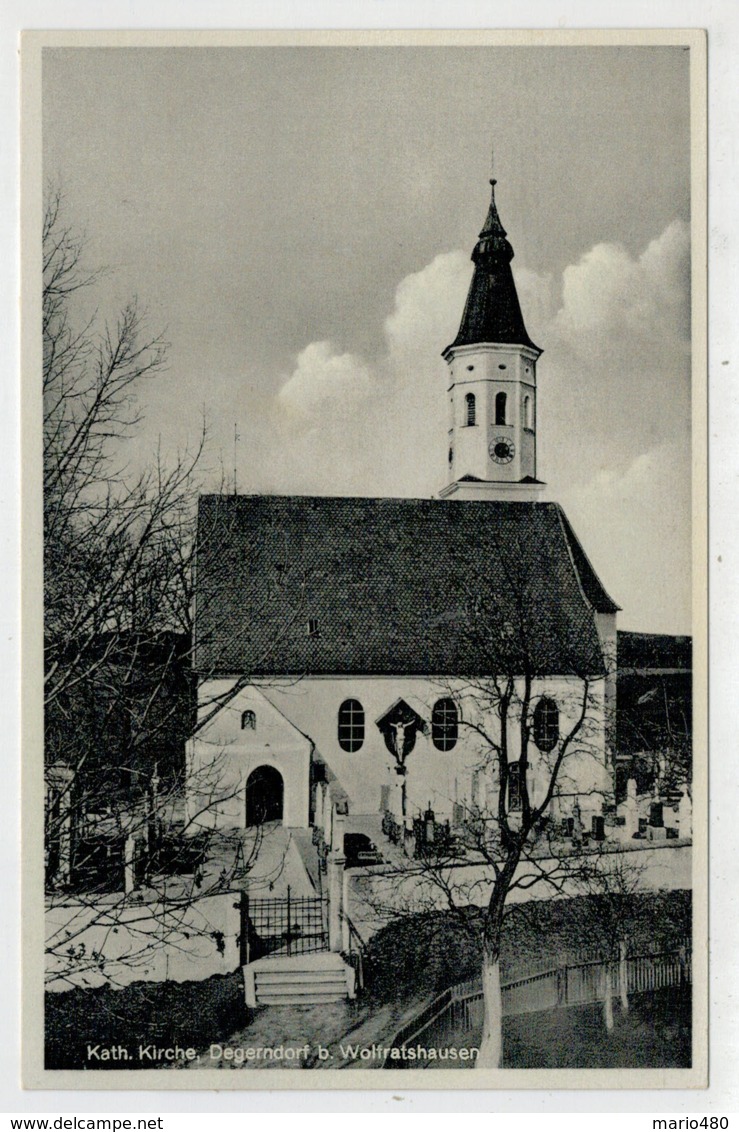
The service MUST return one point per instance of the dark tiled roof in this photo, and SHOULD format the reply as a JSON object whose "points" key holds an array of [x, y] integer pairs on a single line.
{"points": [[492, 312], [591, 583], [396, 586]]}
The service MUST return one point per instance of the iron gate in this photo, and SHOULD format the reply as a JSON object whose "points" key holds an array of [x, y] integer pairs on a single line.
{"points": [[290, 925]]}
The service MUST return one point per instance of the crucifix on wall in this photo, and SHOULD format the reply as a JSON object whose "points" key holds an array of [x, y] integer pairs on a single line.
{"points": [[400, 725]]}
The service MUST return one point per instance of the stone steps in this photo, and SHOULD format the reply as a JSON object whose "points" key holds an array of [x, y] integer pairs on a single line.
{"points": [[305, 997], [268, 978], [301, 980]]}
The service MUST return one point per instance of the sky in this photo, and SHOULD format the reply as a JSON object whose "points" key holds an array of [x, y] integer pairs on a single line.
{"points": [[299, 221]]}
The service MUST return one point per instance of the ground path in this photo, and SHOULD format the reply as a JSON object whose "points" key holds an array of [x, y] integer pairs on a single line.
{"points": [[331, 1025]]}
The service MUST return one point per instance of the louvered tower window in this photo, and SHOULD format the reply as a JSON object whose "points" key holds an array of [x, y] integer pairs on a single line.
{"points": [[528, 417]]}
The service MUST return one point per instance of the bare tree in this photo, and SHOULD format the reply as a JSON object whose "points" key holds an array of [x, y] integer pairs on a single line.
{"points": [[655, 731], [119, 689], [116, 542], [123, 851], [536, 721]]}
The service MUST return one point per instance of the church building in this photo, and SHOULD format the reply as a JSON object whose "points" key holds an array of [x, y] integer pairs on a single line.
{"points": [[347, 650]]}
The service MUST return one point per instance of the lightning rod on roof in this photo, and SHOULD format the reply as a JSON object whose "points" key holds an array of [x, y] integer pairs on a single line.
{"points": [[236, 439]]}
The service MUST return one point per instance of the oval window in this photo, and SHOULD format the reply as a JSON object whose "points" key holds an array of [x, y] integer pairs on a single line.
{"points": [[351, 725], [444, 724], [546, 724]]}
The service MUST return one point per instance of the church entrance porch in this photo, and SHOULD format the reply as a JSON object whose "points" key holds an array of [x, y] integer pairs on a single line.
{"points": [[265, 792]]}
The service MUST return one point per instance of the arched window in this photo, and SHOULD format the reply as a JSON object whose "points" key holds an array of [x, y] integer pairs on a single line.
{"points": [[351, 725], [471, 413], [444, 724], [546, 724], [528, 418], [248, 721], [500, 400]]}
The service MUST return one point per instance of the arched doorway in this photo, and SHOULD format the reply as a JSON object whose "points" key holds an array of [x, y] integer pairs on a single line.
{"points": [[264, 795]]}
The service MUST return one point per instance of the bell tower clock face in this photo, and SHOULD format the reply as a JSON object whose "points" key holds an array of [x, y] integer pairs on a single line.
{"points": [[502, 450]]}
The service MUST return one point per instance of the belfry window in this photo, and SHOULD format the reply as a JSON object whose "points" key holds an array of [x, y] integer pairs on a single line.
{"points": [[248, 721], [351, 725], [444, 724], [470, 408], [528, 417], [546, 724], [500, 400]]}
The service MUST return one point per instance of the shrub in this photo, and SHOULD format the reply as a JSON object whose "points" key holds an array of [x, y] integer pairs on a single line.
{"points": [[167, 1014]]}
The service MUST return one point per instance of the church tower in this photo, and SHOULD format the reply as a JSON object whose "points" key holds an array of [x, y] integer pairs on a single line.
{"points": [[492, 382]]}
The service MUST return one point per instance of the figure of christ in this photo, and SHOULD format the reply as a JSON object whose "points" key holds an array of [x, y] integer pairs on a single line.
{"points": [[399, 729]]}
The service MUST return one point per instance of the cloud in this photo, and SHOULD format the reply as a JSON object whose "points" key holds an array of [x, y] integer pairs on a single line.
{"points": [[610, 298], [633, 524], [428, 306], [323, 379], [381, 421]]}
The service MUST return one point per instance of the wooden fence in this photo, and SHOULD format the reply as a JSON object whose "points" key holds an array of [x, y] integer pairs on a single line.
{"points": [[458, 1013]]}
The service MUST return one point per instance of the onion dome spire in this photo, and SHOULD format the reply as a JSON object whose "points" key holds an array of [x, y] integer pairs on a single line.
{"points": [[492, 313]]}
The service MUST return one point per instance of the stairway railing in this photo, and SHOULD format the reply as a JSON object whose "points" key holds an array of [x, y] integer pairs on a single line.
{"points": [[357, 950]]}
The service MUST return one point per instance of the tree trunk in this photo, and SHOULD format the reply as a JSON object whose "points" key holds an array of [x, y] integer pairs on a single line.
{"points": [[491, 1045], [623, 977], [607, 999]]}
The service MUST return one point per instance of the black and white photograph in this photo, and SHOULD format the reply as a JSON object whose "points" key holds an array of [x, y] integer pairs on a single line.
{"points": [[362, 376]]}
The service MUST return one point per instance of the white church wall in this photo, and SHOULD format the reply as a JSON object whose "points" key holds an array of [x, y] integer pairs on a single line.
{"points": [[441, 778], [584, 775], [313, 705], [606, 624], [223, 754], [291, 715]]}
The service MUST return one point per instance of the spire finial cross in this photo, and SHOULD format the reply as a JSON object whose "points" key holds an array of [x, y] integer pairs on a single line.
{"points": [[492, 164]]}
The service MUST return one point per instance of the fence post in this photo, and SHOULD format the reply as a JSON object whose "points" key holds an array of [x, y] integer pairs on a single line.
{"points": [[623, 984], [289, 924], [562, 986], [335, 889], [129, 863]]}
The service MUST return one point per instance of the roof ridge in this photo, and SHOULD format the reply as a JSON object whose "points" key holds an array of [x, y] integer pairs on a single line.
{"points": [[574, 545]]}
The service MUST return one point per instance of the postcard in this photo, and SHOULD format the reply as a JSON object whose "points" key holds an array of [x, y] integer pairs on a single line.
{"points": [[364, 383]]}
